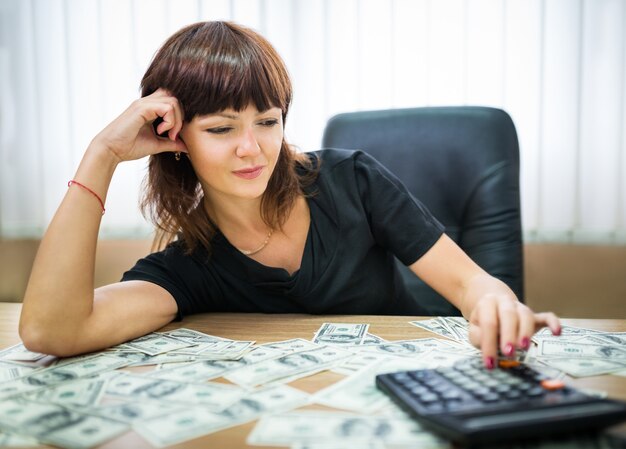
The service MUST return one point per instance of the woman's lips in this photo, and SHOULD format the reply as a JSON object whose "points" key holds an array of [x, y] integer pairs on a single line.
{"points": [[249, 173]]}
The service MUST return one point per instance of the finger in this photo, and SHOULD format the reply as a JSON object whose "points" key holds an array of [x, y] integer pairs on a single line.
{"points": [[474, 335], [178, 112], [526, 326], [176, 124], [548, 319], [176, 146], [507, 315], [164, 112], [488, 322]]}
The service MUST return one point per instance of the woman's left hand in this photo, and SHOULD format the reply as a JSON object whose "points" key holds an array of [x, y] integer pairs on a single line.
{"points": [[499, 321]]}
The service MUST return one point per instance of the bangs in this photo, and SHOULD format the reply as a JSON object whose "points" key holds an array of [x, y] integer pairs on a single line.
{"points": [[213, 66]]}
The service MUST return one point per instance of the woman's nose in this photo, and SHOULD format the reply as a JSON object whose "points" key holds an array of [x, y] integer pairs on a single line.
{"points": [[248, 145]]}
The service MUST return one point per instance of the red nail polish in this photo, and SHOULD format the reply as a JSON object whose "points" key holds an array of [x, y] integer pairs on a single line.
{"points": [[490, 362], [558, 331], [525, 343], [509, 349]]}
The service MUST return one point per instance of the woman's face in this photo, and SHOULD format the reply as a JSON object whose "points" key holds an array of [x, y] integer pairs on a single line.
{"points": [[234, 153]]}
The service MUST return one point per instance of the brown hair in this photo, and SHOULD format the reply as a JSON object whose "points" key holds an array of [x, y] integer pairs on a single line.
{"points": [[209, 67]]}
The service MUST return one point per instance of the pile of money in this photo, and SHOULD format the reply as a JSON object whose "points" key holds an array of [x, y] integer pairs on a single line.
{"points": [[579, 352], [174, 386]]}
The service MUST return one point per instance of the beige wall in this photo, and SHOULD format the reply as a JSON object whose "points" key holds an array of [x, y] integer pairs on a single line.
{"points": [[572, 280]]}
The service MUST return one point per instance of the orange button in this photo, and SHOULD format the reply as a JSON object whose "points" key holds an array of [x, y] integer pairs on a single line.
{"points": [[552, 384], [508, 363]]}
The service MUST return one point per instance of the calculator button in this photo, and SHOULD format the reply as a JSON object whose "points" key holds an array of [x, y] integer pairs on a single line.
{"points": [[502, 388], [491, 397], [428, 398], [419, 390], [535, 391], [508, 363], [552, 384], [513, 394], [451, 395]]}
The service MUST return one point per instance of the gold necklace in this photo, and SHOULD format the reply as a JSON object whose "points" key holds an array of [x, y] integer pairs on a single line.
{"points": [[263, 245]]}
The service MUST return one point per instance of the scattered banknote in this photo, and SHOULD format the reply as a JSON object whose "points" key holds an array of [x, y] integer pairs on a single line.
{"points": [[371, 339], [10, 371], [336, 445], [564, 348], [295, 364], [210, 369], [19, 353], [584, 367], [196, 421], [359, 361], [449, 327], [80, 393], [292, 345], [343, 334], [54, 424], [16, 440], [332, 427], [155, 343], [212, 396], [410, 348], [134, 412], [358, 392], [578, 352]]}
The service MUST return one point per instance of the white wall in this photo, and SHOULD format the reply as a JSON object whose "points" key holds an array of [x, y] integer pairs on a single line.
{"points": [[68, 67]]}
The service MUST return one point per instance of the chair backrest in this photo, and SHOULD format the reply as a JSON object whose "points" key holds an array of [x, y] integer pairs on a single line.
{"points": [[463, 164]]}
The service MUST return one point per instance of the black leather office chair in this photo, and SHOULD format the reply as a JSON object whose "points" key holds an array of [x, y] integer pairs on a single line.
{"points": [[463, 164]]}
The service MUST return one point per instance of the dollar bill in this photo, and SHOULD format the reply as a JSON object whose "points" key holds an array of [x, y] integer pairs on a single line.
{"points": [[212, 396], [438, 359], [16, 440], [54, 424], [289, 365], [193, 336], [581, 367], [292, 345], [358, 392], [9, 371], [435, 326], [341, 334], [164, 359], [210, 369], [19, 353], [332, 427], [337, 445], [603, 339], [371, 339], [564, 348], [194, 422], [359, 361], [80, 393], [566, 332], [154, 344], [135, 412], [410, 348]]}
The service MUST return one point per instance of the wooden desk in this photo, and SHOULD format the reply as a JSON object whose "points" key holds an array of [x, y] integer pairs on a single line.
{"points": [[267, 328]]}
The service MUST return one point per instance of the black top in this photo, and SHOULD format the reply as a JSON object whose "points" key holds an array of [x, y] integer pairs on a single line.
{"points": [[361, 215]]}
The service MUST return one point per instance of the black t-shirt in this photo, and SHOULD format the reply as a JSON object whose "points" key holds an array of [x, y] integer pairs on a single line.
{"points": [[361, 216]]}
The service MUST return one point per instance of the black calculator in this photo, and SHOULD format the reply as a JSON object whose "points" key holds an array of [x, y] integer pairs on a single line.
{"points": [[469, 404]]}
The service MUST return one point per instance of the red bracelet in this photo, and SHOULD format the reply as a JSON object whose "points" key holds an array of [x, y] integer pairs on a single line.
{"points": [[69, 184]]}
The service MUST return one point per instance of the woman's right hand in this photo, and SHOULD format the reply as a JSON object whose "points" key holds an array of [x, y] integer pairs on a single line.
{"points": [[131, 136]]}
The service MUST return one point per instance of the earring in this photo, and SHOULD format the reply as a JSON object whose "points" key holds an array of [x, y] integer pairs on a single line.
{"points": [[177, 156]]}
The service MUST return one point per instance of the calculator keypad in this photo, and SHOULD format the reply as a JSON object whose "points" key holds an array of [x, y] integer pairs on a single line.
{"points": [[469, 385]]}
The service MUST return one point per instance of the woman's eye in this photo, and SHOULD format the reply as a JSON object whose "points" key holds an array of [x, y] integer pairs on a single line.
{"points": [[220, 130], [269, 122]]}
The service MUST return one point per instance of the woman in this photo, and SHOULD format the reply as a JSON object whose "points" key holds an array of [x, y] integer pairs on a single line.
{"points": [[253, 226]]}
